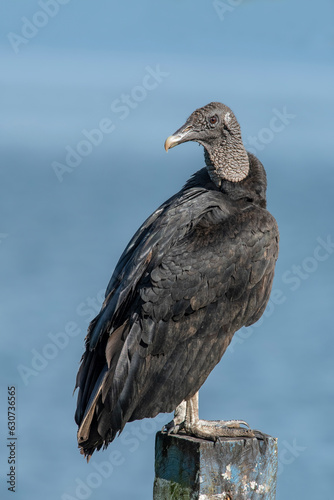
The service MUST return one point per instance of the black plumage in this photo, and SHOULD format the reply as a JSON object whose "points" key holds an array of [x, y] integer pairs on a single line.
{"points": [[198, 269]]}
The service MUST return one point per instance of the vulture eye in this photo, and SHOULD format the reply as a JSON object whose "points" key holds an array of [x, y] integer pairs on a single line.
{"points": [[213, 119]]}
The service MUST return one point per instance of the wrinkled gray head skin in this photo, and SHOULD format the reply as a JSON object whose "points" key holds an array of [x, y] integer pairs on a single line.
{"points": [[216, 128]]}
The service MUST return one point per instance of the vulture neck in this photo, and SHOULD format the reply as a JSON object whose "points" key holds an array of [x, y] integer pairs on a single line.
{"points": [[228, 161]]}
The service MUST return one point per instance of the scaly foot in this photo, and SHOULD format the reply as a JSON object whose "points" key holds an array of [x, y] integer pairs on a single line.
{"points": [[215, 429], [186, 421]]}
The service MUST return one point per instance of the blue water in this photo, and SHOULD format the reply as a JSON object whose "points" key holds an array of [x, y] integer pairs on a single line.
{"points": [[61, 236]]}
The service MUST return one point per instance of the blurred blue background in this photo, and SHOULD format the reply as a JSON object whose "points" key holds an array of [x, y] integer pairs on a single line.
{"points": [[69, 208]]}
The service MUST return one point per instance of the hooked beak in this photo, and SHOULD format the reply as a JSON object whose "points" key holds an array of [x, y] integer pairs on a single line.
{"points": [[178, 137]]}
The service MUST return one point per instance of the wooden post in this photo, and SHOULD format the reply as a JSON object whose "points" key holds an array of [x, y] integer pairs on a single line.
{"points": [[230, 469]]}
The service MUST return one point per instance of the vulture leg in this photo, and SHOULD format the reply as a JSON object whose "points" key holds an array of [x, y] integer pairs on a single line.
{"points": [[186, 420], [212, 429], [175, 425]]}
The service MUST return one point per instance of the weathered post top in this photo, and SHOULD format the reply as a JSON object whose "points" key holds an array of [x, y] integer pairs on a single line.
{"points": [[229, 469]]}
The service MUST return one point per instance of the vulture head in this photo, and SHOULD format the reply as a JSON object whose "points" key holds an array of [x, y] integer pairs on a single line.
{"points": [[216, 128]]}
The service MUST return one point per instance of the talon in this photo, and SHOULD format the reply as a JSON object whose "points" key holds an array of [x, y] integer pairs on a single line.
{"points": [[235, 424], [175, 429], [168, 427]]}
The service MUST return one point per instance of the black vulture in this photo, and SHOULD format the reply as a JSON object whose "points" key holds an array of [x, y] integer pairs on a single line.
{"points": [[197, 270]]}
